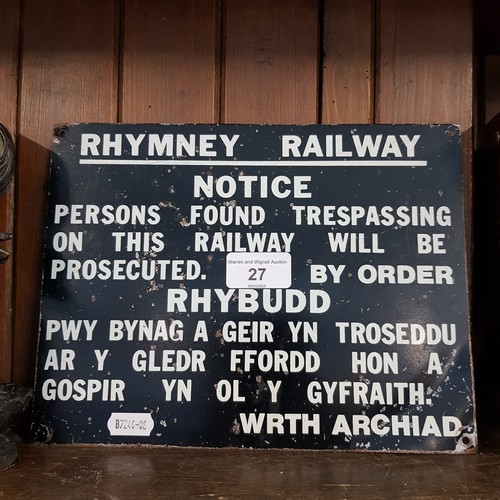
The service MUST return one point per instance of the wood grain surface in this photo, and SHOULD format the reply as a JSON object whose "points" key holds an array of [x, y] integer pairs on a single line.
{"points": [[270, 64], [114, 472], [68, 73], [169, 55], [348, 66], [9, 35]]}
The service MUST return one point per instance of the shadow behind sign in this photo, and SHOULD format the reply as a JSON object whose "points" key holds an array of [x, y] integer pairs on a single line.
{"points": [[256, 286]]}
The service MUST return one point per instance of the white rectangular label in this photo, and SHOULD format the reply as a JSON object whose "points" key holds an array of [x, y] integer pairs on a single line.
{"points": [[130, 424], [258, 270]]}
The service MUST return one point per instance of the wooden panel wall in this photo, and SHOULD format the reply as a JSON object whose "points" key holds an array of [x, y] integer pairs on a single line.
{"points": [[9, 29], [68, 73], [348, 82], [270, 62], [169, 54], [206, 61], [425, 69]]}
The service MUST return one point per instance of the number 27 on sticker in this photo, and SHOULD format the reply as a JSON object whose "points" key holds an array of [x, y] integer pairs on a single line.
{"points": [[256, 274], [258, 270]]}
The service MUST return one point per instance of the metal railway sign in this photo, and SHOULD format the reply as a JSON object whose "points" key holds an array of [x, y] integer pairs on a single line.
{"points": [[256, 286]]}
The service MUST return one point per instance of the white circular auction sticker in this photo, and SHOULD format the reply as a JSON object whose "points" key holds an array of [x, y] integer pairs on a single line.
{"points": [[258, 270]]}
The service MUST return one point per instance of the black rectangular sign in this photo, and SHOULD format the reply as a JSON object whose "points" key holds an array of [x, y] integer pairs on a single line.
{"points": [[256, 286]]}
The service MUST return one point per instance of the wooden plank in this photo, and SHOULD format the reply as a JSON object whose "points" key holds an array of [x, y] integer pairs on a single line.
{"points": [[169, 58], [9, 26], [112, 472], [425, 70], [271, 62], [348, 66], [68, 75]]}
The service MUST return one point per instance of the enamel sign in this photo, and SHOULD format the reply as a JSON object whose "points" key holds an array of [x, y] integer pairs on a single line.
{"points": [[256, 286]]}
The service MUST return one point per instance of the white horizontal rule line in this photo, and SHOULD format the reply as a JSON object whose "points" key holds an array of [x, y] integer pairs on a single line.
{"points": [[263, 163]]}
